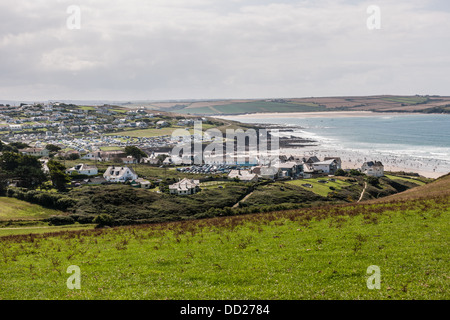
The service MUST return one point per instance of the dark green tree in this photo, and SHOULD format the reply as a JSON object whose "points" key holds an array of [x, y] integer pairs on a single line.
{"points": [[58, 175], [52, 148], [26, 170]]}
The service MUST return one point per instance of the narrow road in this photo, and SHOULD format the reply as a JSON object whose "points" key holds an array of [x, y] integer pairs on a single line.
{"points": [[362, 193], [243, 199]]}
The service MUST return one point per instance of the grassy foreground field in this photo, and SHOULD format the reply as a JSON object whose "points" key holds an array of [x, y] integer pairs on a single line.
{"points": [[311, 253]]}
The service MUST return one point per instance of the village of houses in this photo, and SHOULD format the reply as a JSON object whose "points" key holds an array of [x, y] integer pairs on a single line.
{"points": [[82, 133]]}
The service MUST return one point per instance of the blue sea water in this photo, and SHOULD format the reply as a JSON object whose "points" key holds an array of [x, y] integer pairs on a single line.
{"points": [[419, 136]]}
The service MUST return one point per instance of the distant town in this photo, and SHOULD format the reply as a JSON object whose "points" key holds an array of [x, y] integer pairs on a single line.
{"points": [[99, 134]]}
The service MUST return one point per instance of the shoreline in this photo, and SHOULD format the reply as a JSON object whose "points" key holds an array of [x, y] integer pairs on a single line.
{"points": [[354, 160], [351, 159], [305, 115]]}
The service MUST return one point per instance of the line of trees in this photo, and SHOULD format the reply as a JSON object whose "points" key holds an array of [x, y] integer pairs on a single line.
{"points": [[26, 171]]}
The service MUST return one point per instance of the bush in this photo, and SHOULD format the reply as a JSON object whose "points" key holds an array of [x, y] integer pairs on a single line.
{"points": [[45, 199], [354, 172], [374, 181], [61, 220], [103, 220], [64, 203]]}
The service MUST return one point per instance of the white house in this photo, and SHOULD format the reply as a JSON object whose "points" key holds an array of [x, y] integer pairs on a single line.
{"points": [[373, 168], [83, 169], [162, 123], [37, 152], [326, 166], [119, 174], [15, 127], [185, 187], [92, 156]]}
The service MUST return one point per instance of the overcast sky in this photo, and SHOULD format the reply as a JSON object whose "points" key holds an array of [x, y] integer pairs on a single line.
{"points": [[196, 49]]}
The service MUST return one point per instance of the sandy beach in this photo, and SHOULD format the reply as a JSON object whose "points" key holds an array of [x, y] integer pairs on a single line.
{"points": [[305, 115], [429, 168]]}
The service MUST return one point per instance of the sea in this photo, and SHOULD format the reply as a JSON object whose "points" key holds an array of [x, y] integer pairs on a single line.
{"points": [[419, 142]]}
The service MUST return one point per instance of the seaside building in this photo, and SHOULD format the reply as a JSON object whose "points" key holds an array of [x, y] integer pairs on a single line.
{"points": [[373, 168]]}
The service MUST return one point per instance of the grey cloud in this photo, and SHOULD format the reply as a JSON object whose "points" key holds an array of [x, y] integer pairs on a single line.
{"points": [[220, 49]]}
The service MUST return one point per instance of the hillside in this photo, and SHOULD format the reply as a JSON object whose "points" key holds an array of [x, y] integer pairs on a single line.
{"points": [[310, 253], [14, 209], [438, 188], [382, 103]]}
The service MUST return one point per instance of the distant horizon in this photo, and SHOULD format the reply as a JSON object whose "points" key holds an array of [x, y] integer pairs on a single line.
{"points": [[125, 101]]}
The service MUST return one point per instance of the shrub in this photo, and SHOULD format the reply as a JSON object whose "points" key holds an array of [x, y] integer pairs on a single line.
{"points": [[103, 220], [61, 220], [64, 203], [374, 181]]}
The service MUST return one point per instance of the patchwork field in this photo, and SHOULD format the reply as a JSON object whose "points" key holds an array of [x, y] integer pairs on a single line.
{"points": [[384, 103]]}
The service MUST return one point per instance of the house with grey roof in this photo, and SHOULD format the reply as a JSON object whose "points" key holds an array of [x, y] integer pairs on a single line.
{"points": [[373, 168], [185, 187], [119, 174]]}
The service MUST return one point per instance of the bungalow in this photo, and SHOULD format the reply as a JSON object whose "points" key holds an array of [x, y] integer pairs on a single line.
{"points": [[83, 169], [185, 187], [373, 168], [243, 175], [37, 152], [141, 183], [95, 181], [119, 174]]}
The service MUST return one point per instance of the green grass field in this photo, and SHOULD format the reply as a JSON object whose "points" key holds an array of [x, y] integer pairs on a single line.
{"points": [[153, 132], [318, 253], [321, 189], [40, 229], [14, 209], [407, 100], [409, 179], [144, 133]]}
